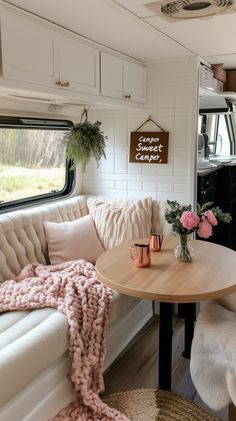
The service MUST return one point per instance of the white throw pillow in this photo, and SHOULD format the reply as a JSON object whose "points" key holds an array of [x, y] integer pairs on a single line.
{"points": [[72, 240], [117, 225]]}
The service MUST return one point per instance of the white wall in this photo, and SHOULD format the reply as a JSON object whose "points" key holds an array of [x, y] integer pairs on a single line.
{"points": [[172, 102]]}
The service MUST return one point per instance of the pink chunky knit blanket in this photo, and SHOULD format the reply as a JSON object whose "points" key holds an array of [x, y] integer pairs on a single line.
{"points": [[73, 289]]}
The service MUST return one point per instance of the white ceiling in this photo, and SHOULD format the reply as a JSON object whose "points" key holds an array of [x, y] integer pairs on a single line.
{"points": [[135, 29]]}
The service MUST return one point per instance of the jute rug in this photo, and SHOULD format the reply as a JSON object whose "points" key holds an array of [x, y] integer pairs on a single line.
{"points": [[156, 405]]}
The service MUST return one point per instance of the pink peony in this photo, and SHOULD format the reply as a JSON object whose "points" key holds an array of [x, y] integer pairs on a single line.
{"points": [[211, 217], [189, 219], [205, 229]]}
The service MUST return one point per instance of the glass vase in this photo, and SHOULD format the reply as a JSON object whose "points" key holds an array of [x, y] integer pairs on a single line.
{"points": [[183, 249]]}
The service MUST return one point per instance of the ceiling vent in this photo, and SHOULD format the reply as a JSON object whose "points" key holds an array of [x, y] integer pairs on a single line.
{"points": [[190, 9]]}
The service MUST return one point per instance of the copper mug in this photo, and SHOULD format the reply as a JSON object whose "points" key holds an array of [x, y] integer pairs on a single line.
{"points": [[140, 254], [156, 242]]}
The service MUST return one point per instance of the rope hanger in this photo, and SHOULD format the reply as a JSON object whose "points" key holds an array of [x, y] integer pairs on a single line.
{"points": [[146, 121]]}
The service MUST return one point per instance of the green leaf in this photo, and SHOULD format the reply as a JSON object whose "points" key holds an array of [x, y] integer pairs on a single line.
{"points": [[205, 206]]}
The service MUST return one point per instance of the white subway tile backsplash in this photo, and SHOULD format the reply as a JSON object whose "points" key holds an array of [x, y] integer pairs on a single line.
{"points": [[134, 113], [107, 165], [165, 169], [91, 186], [134, 185], [107, 184], [180, 152], [134, 168], [166, 122], [121, 150], [165, 97], [107, 127], [180, 188], [120, 185], [180, 197], [149, 169], [134, 194], [184, 96], [118, 193], [152, 95], [152, 194], [165, 187], [92, 166], [186, 112], [168, 112], [182, 131], [121, 164], [121, 132], [109, 149], [171, 102], [165, 196], [149, 186], [180, 165]]}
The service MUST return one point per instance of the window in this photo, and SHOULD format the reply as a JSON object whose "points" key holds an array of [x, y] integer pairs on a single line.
{"points": [[33, 165], [221, 134]]}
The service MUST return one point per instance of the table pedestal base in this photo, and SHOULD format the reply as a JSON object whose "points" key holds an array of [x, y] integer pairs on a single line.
{"points": [[186, 311], [165, 345]]}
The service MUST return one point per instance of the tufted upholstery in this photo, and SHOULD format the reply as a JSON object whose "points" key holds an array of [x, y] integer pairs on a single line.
{"points": [[22, 238], [37, 339]]}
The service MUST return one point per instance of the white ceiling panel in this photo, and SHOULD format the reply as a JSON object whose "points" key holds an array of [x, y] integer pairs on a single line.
{"points": [[138, 7], [129, 26], [206, 36], [107, 23]]}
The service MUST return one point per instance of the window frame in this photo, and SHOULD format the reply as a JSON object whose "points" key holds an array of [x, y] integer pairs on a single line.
{"points": [[231, 133], [214, 128], [43, 124]]}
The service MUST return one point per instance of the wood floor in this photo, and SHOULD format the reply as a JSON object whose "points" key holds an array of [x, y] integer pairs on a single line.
{"points": [[137, 367]]}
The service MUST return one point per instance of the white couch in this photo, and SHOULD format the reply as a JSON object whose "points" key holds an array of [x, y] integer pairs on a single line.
{"points": [[34, 362]]}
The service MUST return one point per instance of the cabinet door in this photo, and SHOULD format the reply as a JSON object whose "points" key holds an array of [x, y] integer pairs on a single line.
{"points": [[78, 65], [112, 75], [135, 81], [27, 50], [122, 79]]}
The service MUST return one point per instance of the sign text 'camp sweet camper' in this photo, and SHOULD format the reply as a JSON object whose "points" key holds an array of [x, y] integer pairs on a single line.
{"points": [[149, 147]]}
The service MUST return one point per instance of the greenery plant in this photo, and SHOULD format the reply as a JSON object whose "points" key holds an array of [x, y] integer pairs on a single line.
{"points": [[84, 141], [185, 221]]}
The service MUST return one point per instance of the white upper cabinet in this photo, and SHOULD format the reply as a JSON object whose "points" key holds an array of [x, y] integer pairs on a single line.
{"points": [[33, 53], [38, 56], [121, 78], [78, 65], [27, 50]]}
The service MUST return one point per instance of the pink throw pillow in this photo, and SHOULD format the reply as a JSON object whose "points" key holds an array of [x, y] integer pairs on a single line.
{"points": [[72, 240]]}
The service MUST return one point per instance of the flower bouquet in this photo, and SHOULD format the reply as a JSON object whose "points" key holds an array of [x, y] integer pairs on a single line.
{"points": [[186, 221]]}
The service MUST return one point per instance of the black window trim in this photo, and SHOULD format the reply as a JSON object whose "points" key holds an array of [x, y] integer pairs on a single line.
{"points": [[229, 125], [47, 124]]}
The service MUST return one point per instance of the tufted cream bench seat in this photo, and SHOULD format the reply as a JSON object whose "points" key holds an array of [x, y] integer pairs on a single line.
{"points": [[34, 361]]}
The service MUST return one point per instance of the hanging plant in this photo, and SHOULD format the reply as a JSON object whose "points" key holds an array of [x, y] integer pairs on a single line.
{"points": [[84, 141]]}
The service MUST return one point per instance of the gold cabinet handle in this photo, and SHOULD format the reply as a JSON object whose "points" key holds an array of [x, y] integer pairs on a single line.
{"points": [[63, 84], [127, 96]]}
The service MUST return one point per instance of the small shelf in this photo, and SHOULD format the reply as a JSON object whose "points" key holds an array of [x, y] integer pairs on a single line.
{"points": [[229, 95], [208, 92]]}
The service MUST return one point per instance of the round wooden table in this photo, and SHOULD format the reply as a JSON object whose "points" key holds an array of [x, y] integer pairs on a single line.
{"points": [[210, 275]]}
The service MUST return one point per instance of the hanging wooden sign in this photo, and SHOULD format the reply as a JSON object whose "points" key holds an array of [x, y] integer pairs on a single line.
{"points": [[149, 147]]}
